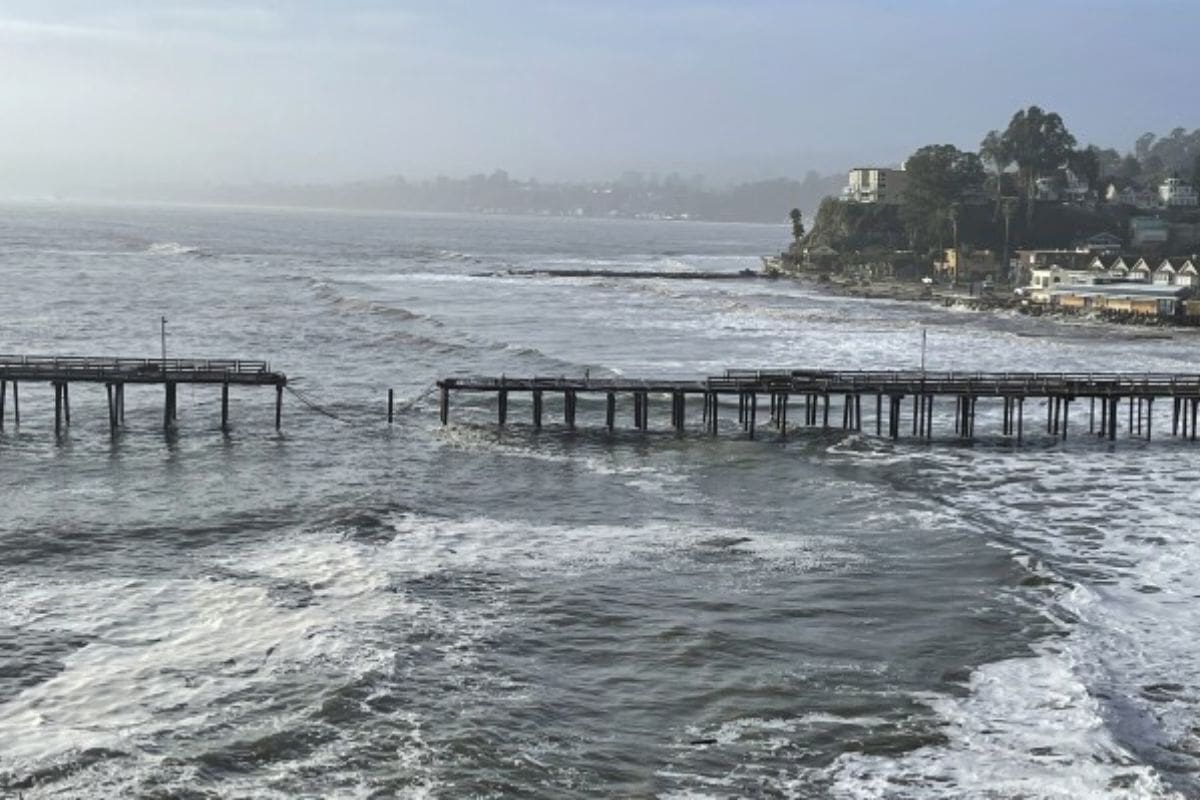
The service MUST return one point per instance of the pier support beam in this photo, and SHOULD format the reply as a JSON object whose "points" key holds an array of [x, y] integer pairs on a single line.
{"points": [[610, 410], [502, 407], [3, 398], [225, 407], [112, 408], [58, 401], [279, 406], [753, 412], [1020, 418], [537, 409]]}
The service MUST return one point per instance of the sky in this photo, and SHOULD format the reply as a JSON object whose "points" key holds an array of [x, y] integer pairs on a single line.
{"points": [[96, 93]]}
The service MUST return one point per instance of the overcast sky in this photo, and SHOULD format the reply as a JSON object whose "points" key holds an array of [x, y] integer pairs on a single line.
{"points": [[95, 92]]}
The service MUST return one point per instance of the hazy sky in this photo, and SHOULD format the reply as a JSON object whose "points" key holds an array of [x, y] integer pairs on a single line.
{"points": [[95, 92]]}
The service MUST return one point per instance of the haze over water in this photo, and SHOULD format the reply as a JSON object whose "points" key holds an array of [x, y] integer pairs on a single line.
{"points": [[348, 610]]}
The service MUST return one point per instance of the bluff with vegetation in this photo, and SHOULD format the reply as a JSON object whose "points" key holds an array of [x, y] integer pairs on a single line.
{"points": [[990, 198]]}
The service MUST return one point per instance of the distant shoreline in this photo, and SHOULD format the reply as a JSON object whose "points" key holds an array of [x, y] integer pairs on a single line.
{"points": [[904, 291]]}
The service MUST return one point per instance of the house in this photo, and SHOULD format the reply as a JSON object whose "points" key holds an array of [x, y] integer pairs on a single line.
{"points": [[1174, 193], [1125, 196], [1165, 274], [1028, 260], [1141, 199], [1141, 271], [1043, 281], [875, 185], [1183, 271], [967, 265], [1104, 242], [1148, 232]]}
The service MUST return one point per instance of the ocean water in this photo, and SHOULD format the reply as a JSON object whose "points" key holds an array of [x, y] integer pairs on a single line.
{"points": [[349, 610]]}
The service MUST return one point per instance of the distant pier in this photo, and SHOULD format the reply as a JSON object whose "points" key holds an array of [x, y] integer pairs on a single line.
{"points": [[904, 402], [117, 373]]}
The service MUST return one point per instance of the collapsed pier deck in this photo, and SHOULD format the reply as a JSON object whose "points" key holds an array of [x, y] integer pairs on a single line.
{"points": [[116, 373], [812, 393]]}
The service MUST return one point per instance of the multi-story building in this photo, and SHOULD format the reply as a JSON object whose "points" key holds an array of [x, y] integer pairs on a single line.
{"points": [[875, 185], [1174, 193]]}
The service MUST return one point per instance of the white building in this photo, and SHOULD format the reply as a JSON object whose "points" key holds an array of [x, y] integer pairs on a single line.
{"points": [[875, 185], [1174, 193]]}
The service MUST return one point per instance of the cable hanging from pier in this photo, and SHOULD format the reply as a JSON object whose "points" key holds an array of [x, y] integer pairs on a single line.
{"points": [[313, 405]]}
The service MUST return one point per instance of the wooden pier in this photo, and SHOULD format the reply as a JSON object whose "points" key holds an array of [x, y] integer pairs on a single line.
{"points": [[904, 401], [116, 373]]}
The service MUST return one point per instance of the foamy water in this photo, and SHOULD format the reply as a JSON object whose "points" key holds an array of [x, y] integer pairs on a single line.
{"points": [[348, 610]]}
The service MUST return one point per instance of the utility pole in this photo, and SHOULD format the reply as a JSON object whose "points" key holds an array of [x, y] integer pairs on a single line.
{"points": [[1009, 205]]}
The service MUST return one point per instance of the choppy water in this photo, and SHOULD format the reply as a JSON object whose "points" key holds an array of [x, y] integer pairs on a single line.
{"points": [[349, 611]]}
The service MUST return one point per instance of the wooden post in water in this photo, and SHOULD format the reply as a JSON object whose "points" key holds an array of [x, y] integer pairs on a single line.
{"points": [[878, 414], [3, 397], [1112, 418], [1066, 410], [57, 408], [112, 408], [225, 407], [537, 409], [121, 403], [712, 412], [279, 406], [502, 407], [825, 418], [16, 405], [610, 410], [391, 410], [1149, 416], [753, 411]]}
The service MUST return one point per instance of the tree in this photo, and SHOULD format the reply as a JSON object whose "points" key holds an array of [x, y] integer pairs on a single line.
{"points": [[993, 150], [1085, 164], [1130, 168], [939, 176], [1039, 143], [797, 225]]}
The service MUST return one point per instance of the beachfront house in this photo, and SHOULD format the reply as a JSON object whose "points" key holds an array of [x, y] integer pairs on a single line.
{"points": [[1029, 260], [1044, 281], [1181, 270], [1175, 193], [880, 185], [1141, 271]]}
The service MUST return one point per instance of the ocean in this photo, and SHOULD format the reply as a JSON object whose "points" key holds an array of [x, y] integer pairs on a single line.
{"points": [[351, 610]]}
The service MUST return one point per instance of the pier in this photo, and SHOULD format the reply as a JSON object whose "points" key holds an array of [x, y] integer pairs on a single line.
{"points": [[898, 403], [61, 372]]}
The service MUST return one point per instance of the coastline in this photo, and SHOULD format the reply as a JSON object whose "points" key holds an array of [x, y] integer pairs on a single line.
{"points": [[906, 291]]}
